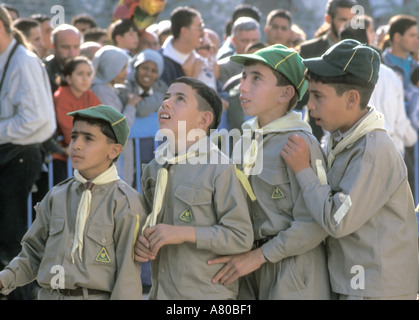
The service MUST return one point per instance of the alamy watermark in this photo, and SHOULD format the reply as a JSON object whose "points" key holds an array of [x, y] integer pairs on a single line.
{"points": [[248, 146]]}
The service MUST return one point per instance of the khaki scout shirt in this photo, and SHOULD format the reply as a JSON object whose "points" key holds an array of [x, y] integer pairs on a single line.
{"points": [[107, 264], [210, 198], [294, 241], [368, 209]]}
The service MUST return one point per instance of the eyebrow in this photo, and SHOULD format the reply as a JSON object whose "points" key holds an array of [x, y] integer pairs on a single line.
{"points": [[89, 134], [174, 94]]}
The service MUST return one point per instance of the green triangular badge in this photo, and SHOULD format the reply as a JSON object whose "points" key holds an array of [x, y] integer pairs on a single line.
{"points": [[103, 256], [277, 194], [186, 215]]}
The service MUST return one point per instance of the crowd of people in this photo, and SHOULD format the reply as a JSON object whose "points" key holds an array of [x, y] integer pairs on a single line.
{"points": [[288, 242]]}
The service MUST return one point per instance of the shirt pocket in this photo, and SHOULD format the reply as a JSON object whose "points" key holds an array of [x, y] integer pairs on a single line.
{"points": [[193, 206], [99, 246], [55, 235], [274, 188]]}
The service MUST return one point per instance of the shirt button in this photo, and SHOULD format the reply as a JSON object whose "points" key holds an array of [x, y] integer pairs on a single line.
{"points": [[103, 240]]}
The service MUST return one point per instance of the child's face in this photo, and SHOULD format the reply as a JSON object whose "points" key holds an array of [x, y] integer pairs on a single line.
{"points": [[81, 79], [147, 74], [90, 153], [129, 40], [180, 105], [260, 95], [120, 78], [327, 108]]}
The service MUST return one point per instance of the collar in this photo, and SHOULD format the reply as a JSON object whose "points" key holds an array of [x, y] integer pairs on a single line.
{"points": [[171, 52]]}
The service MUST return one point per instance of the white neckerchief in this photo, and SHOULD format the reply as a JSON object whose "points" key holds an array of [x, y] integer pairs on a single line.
{"points": [[198, 149], [83, 209], [373, 120]]}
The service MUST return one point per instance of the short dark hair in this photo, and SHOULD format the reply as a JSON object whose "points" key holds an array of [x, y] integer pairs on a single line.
{"points": [[25, 25], [72, 63], [210, 101], [333, 5], [104, 126], [94, 34], [84, 18], [281, 81], [246, 10], [120, 27], [279, 13], [344, 83], [182, 17], [400, 24], [359, 34]]}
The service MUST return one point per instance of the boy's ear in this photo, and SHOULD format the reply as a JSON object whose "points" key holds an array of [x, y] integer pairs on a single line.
{"points": [[353, 99], [287, 94], [205, 120], [115, 151]]}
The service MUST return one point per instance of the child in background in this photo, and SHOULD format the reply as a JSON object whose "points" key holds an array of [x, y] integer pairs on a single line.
{"points": [[86, 226], [110, 65], [74, 94], [145, 82]]}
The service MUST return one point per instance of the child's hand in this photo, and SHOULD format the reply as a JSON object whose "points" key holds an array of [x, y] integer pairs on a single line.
{"points": [[163, 234], [237, 266], [142, 251], [296, 153]]}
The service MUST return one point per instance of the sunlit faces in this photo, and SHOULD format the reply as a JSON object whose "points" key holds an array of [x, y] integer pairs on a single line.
{"points": [[327, 108], [242, 38], [90, 152], [196, 31], [122, 75], [67, 45], [147, 73], [279, 31], [80, 80], [408, 42], [180, 110], [35, 38], [259, 94]]}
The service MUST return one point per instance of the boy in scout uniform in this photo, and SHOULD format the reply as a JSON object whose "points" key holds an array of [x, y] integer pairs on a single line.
{"points": [[80, 245], [288, 259], [197, 204], [366, 206]]}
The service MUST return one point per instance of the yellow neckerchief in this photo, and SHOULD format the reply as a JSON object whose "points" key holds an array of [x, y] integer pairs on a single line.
{"points": [[83, 209], [292, 121], [200, 148], [373, 120]]}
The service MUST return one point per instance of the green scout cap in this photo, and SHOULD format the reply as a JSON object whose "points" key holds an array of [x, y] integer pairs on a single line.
{"points": [[116, 119], [285, 60], [347, 57]]}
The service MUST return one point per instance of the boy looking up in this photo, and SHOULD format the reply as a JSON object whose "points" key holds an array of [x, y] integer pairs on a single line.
{"points": [[288, 258], [86, 225], [198, 207], [366, 206]]}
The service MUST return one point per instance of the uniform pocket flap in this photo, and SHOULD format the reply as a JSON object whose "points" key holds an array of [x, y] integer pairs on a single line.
{"points": [[103, 235], [275, 176], [193, 195], [56, 225]]}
